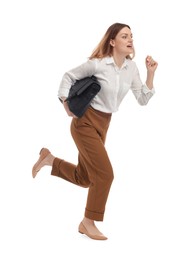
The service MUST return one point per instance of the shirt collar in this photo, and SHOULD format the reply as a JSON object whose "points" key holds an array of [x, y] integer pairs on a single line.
{"points": [[110, 60]]}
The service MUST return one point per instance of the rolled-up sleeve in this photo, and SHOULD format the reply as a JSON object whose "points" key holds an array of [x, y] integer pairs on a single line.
{"points": [[141, 92]]}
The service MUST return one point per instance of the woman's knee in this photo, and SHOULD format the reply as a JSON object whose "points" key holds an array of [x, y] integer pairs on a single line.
{"points": [[111, 177], [108, 177]]}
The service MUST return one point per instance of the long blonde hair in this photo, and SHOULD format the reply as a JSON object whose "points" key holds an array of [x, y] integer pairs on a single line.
{"points": [[104, 48]]}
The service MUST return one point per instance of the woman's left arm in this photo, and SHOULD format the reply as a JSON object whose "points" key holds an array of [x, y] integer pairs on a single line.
{"points": [[151, 66]]}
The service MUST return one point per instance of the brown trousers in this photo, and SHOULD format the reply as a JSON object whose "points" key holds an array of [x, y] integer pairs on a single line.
{"points": [[94, 169]]}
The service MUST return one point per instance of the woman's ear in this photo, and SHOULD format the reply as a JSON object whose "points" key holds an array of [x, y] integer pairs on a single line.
{"points": [[112, 42]]}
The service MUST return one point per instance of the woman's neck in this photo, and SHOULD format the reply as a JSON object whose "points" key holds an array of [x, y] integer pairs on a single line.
{"points": [[119, 60]]}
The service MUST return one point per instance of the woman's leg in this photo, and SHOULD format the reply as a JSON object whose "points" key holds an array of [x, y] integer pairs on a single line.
{"points": [[89, 134], [98, 169]]}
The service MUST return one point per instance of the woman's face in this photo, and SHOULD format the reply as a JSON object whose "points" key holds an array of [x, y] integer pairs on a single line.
{"points": [[123, 42]]}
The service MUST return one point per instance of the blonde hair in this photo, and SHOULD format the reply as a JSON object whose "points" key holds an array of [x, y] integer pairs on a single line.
{"points": [[104, 47]]}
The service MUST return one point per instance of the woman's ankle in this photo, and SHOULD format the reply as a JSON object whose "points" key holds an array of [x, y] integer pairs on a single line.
{"points": [[49, 160], [88, 221]]}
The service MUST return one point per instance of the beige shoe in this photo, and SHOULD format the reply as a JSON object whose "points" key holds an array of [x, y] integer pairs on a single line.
{"points": [[43, 154], [83, 230]]}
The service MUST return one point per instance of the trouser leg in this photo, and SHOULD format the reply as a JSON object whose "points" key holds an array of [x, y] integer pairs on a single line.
{"points": [[89, 135], [75, 174]]}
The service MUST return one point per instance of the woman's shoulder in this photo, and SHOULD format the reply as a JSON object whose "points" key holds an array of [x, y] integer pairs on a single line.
{"points": [[130, 61], [131, 64], [99, 62]]}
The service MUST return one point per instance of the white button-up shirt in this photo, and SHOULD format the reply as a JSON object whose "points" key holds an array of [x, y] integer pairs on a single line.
{"points": [[115, 83]]}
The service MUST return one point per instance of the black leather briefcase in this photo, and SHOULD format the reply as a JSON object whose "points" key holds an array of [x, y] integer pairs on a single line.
{"points": [[81, 95]]}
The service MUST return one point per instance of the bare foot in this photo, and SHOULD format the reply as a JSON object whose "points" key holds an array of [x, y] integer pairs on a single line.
{"points": [[45, 158]]}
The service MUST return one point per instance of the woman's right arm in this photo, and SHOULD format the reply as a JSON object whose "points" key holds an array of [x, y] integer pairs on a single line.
{"points": [[69, 78]]}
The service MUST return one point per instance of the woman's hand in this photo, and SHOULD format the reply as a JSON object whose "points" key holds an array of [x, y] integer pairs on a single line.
{"points": [[151, 64], [69, 113]]}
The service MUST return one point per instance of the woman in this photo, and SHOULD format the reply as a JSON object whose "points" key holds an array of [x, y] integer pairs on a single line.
{"points": [[111, 62]]}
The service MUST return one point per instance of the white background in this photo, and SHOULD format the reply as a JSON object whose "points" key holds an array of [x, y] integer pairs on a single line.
{"points": [[148, 214]]}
